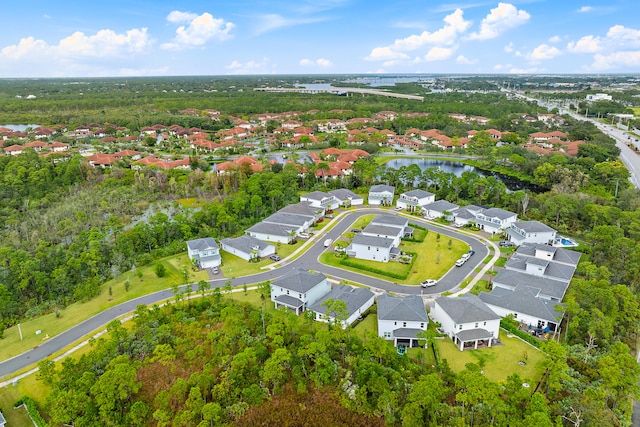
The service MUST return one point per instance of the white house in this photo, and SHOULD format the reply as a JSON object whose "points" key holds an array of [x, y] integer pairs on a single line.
{"points": [[299, 289], [381, 195], [321, 200], [414, 200], [204, 252], [465, 215], [2, 420], [439, 208], [495, 220], [371, 247], [388, 226], [298, 223], [401, 319], [347, 197], [357, 301], [247, 247], [530, 232], [272, 232], [467, 320], [305, 209]]}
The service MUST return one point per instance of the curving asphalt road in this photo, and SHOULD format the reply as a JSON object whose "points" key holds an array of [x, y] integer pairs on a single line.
{"points": [[308, 261]]}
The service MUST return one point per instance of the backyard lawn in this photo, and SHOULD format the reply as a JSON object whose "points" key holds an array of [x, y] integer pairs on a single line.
{"points": [[497, 362]]}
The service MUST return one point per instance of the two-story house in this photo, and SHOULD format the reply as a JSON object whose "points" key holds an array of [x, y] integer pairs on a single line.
{"points": [[321, 200], [530, 232], [495, 220], [381, 195], [299, 289], [414, 200], [401, 319], [467, 320], [357, 301], [204, 252]]}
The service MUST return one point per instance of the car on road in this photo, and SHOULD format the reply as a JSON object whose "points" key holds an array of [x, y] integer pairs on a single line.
{"points": [[465, 256], [275, 257], [471, 252], [460, 262], [328, 243], [428, 283], [356, 230]]}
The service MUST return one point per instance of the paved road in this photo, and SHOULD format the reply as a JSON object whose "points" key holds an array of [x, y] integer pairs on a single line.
{"points": [[308, 260]]}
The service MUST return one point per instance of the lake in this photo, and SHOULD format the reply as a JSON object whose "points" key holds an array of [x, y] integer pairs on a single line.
{"points": [[457, 168]]}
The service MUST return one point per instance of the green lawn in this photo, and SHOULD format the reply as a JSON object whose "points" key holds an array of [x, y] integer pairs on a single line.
{"points": [[9, 395], [234, 266], [51, 325], [435, 257], [369, 323], [497, 362]]}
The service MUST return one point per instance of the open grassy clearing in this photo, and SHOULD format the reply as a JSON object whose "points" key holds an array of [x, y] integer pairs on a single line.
{"points": [[142, 281], [9, 395], [497, 362]]}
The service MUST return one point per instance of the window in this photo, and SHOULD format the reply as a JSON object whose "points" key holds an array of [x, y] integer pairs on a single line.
{"points": [[476, 324], [299, 295], [404, 324], [421, 325], [485, 324], [387, 334], [395, 323], [460, 327]]}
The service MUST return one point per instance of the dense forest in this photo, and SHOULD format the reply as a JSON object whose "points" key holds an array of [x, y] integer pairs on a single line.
{"points": [[66, 227]]}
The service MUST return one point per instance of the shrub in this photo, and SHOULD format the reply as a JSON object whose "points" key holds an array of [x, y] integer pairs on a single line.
{"points": [[32, 410], [512, 329], [160, 270]]}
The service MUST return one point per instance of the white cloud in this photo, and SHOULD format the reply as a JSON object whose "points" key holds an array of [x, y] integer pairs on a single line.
{"points": [[532, 70], [555, 39], [623, 37], [454, 24], [199, 29], [616, 60], [543, 52], [509, 48], [500, 19], [585, 9], [587, 44], [251, 67], [461, 59], [437, 53], [270, 22], [320, 62], [103, 44], [498, 67]]}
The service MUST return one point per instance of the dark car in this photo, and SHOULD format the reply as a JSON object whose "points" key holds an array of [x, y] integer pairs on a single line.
{"points": [[471, 252], [356, 230]]}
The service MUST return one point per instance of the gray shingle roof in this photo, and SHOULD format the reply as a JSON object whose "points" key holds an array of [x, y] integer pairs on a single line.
{"points": [[317, 195], [300, 281], [284, 218], [343, 194], [441, 206], [420, 194], [203, 244], [300, 208], [407, 332], [381, 230], [404, 309], [497, 213], [381, 242], [474, 334], [269, 228], [390, 220], [553, 270], [353, 297], [533, 227], [466, 309], [561, 255], [549, 287], [522, 300], [245, 243], [382, 188]]}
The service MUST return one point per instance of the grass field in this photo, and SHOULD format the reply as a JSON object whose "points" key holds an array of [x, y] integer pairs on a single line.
{"points": [[497, 362], [28, 386], [51, 324]]}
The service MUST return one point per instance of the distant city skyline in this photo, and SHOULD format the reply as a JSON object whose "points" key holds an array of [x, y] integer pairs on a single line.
{"points": [[164, 38]]}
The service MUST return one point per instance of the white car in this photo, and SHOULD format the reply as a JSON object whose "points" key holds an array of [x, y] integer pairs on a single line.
{"points": [[460, 262], [428, 283]]}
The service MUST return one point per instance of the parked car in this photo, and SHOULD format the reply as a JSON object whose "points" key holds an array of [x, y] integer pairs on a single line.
{"points": [[460, 262], [275, 257], [506, 244], [465, 256], [428, 283], [304, 235], [215, 270], [356, 230], [471, 252], [397, 208]]}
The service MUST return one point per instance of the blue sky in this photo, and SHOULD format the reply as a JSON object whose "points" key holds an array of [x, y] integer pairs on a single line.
{"points": [[44, 38]]}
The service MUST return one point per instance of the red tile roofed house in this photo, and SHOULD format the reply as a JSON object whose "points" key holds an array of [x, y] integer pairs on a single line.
{"points": [[343, 167], [314, 156], [495, 134], [14, 135], [236, 132], [291, 124], [14, 150], [302, 130], [58, 147], [332, 151], [108, 139], [134, 155], [386, 115], [412, 132], [571, 147], [558, 134], [331, 173], [480, 120], [370, 130], [3, 129], [41, 132], [36, 145], [443, 142], [458, 117], [102, 160], [537, 149], [539, 136], [418, 114], [330, 125], [162, 163], [214, 114], [130, 138]]}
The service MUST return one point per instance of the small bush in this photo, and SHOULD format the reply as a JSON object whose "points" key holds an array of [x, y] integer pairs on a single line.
{"points": [[160, 270], [32, 410]]}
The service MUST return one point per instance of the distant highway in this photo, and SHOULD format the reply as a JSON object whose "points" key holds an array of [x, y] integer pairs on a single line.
{"points": [[308, 261]]}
